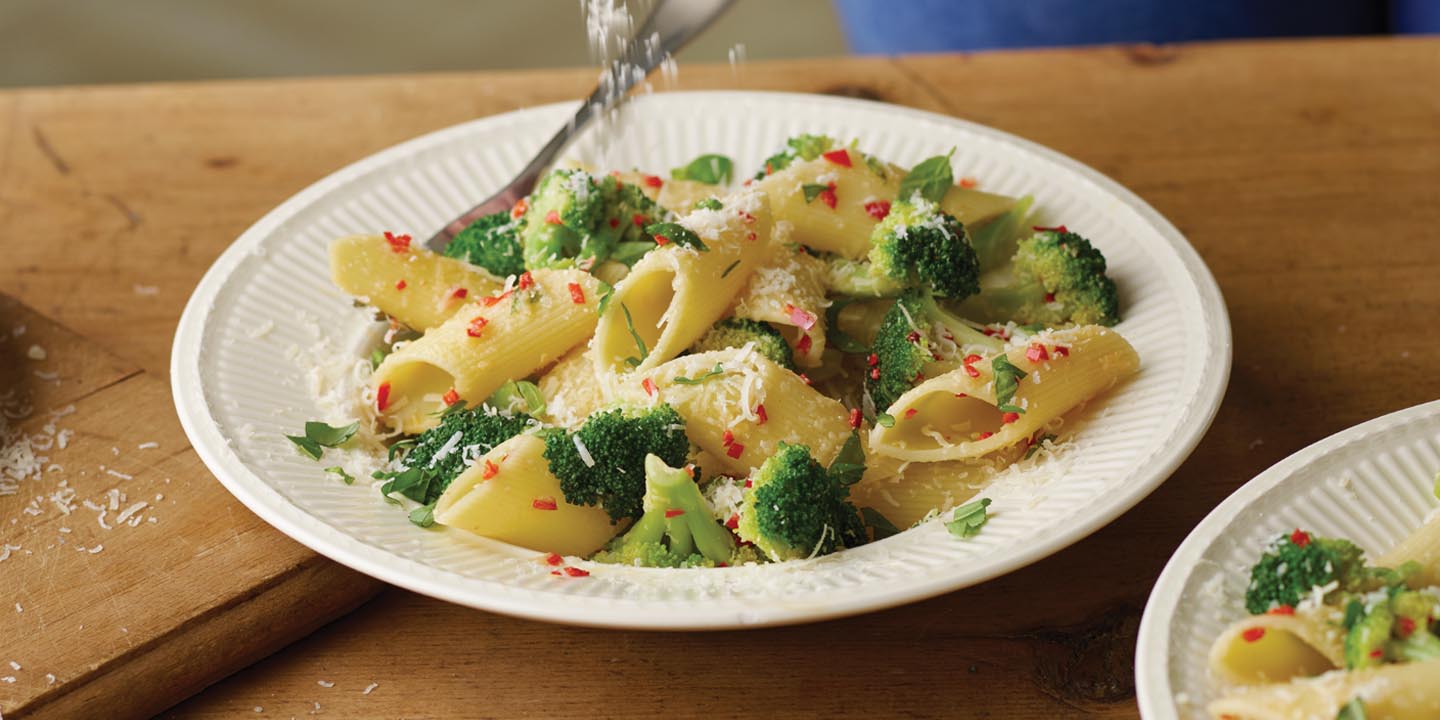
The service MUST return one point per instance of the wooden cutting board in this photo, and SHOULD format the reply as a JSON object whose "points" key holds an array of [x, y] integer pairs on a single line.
{"points": [[129, 577]]}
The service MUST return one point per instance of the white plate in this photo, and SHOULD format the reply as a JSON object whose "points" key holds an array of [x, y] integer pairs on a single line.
{"points": [[1372, 483], [237, 394]]}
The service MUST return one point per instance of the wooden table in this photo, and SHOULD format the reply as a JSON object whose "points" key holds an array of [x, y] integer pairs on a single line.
{"points": [[1306, 173]]}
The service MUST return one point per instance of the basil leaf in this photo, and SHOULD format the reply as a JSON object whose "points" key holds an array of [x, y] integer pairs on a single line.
{"points": [[813, 190], [967, 520], [716, 371], [424, 516], [1354, 612], [932, 178], [377, 356], [879, 525], [678, 234], [630, 251], [448, 410], [1353, 710], [710, 169], [307, 446], [639, 341], [606, 290], [322, 434], [412, 483], [1007, 382], [834, 336], [518, 394], [399, 445], [710, 203], [340, 471], [876, 166], [1036, 445], [885, 420], [849, 466]]}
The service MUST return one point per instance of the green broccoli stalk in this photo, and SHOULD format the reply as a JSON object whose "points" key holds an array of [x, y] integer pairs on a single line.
{"points": [[492, 242], [1055, 277], [603, 462], [917, 339], [916, 245], [1365, 643], [995, 242], [801, 147], [1415, 639], [463, 434], [793, 508], [677, 528], [736, 332], [1297, 563]]}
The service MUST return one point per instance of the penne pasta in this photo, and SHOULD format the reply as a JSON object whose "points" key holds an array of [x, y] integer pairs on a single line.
{"points": [[571, 389], [841, 222], [1391, 692], [419, 288], [486, 343], [789, 293], [1421, 546], [955, 416], [1277, 648], [677, 196], [509, 495], [675, 293]]}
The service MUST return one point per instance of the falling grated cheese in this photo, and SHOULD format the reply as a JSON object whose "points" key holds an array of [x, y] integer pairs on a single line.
{"points": [[584, 452]]}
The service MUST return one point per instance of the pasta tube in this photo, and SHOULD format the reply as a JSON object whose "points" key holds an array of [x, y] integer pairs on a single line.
{"points": [[955, 415], [486, 343], [1391, 692], [789, 293], [510, 495], [842, 220], [1421, 546], [571, 389], [1276, 648], [415, 286], [677, 196], [674, 294]]}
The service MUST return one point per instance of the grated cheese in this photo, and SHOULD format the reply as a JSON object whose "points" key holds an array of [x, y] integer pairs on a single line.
{"points": [[583, 451]]}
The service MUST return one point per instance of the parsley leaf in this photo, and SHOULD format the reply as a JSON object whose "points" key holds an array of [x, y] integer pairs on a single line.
{"points": [[340, 471], [606, 290], [932, 178], [710, 203], [377, 356], [710, 169], [307, 446], [716, 371], [413, 483], [1007, 382], [849, 466], [521, 395], [813, 190], [424, 516], [1036, 445], [1353, 710], [834, 336], [967, 520], [879, 525], [328, 436], [678, 234], [399, 445], [885, 420], [639, 341]]}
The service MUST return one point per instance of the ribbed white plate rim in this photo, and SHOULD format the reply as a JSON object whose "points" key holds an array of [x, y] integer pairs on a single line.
{"points": [[266, 502], [1153, 658]]}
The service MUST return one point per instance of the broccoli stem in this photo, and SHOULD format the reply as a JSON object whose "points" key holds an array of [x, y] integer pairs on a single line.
{"points": [[695, 528], [960, 331], [997, 241], [858, 278]]}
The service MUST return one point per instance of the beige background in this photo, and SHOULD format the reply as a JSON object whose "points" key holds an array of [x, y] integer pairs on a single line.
{"points": [[50, 42]]}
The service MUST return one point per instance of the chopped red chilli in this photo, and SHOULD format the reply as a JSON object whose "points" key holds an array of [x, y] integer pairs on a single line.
{"points": [[674, 512], [732, 522], [1036, 353], [750, 236], [968, 183], [639, 220], [382, 397], [520, 207], [839, 157], [552, 218], [1057, 228], [554, 559], [910, 412], [477, 326], [1404, 627], [1062, 351], [614, 223], [1253, 634], [827, 196], [662, 240], [985, 435], [1049, 297], [735, 450], [451, 397], [1376, 653], [489, 471], [400, 285], [872, 360], [806, 378], [727, 439], [760, 415], [654, 181], [855, 418], [1009, 417], [971, 371], [526, 281], [802, 345], [576, 572], [878, 209], [398, 243], [544, 503], [875, 373], [459, 293], [649, 386], [1281, 610], [801, 317], [577, 294], [1299, 538]]}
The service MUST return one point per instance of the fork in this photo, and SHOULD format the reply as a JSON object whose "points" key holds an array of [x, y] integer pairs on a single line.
{"points": [[672, 24]]}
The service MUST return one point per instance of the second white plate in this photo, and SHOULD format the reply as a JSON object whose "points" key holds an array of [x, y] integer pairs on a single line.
{"points": [[238, 388]]}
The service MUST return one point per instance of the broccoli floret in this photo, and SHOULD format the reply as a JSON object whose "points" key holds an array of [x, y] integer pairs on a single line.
{"points": [[438, 450], [1055, 277], [627, 213], [492, 242], [1365, 643], [616, 442], [1415, 639], [803, 147], [677, 528], [1297, 563], [575, 218], [916, 245], [794, 508], [918, 338], [735, 332]]}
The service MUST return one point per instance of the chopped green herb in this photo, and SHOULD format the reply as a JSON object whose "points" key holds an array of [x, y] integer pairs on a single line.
{"points": [[1007, 382], [728, 268], [307, 446], [1032, 328], [377, 356], [424, 516], [399, 445], [813, 190], [629, 252], [885, 420], [318, 436], [879, 525], [716, 371], [834, 336], [1353, 710], [340, 472], [710, 204], [876, 166], [413, 483], [968, 519], [518, 395], [849, 465], [710, 169], [678, 234], [639, 341], [606, 290], [1354, 612], [932, 178], [1036, 445]]}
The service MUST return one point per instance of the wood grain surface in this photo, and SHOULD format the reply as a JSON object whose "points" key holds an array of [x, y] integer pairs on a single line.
{"points": [[1304, 172]]}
